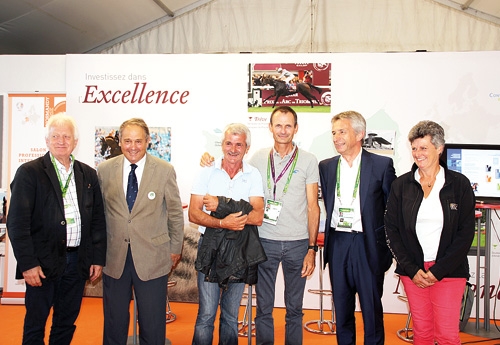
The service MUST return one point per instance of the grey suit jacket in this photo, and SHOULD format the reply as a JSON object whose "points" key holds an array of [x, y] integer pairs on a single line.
{"points": [[155, 227]]}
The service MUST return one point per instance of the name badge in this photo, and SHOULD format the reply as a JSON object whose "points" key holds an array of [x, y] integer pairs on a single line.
{"points": [[346, 218], [69, 212], [272, 211]]}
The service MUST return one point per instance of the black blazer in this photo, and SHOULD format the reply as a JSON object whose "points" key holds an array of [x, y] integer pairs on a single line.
{"points": [[36, 224]]}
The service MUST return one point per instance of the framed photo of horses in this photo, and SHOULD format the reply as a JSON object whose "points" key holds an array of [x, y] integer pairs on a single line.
{"points": [[301, 85]]}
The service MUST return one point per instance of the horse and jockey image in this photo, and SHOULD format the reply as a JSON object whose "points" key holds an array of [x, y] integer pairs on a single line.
{"points": [[290, 84]]}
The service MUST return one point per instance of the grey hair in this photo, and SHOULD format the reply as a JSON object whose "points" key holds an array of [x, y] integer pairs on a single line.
{"points": [[427, 128], [60, 119], [238, 129], [357, 120]]}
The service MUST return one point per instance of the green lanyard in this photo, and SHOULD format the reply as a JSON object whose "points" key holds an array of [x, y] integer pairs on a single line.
{"points": [[270, 169], [356, 184], [64, 189]]}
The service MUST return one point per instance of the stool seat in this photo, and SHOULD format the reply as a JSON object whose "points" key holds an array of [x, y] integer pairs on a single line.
{"points": [[320, 241]]}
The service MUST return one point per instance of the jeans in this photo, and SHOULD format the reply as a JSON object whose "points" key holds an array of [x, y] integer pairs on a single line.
{"points": [[210, 295], [291, 256], [64, 295]]}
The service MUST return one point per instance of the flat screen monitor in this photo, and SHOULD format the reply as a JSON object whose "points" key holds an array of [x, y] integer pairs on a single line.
{"points": [[481, 164]]}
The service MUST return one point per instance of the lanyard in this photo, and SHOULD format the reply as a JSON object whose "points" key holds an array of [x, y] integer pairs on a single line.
{"points": [[64, 189], [271, 170], [356, 184]]}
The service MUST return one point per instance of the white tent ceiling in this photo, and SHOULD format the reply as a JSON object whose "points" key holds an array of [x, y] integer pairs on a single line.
{"points": [[76, 26]]}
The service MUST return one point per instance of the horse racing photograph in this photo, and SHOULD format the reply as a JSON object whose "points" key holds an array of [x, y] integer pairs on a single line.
{"points": [[305, 86]]}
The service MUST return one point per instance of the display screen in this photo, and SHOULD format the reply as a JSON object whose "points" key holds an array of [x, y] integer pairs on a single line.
{"points": [[481, 164]]}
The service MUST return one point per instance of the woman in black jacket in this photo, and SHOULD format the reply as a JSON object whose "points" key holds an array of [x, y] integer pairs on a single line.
{"points": [[430, 227]]}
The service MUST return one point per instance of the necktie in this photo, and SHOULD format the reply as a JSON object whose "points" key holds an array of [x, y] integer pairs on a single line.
{"points": [[132, 187]]}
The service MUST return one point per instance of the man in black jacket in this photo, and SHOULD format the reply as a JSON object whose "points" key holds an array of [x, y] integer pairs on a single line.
{"points": [[227, 256], [57, 229]]}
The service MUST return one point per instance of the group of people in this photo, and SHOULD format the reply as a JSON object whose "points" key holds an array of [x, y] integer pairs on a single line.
{"points": [[267, 206], [367, 224], [68, 224]]}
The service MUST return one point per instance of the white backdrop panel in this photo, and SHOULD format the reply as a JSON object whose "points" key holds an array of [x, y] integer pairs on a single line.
{"points": [[393, 92]]}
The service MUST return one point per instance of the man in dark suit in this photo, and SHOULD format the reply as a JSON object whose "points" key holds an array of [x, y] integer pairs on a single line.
{"points": [[145, 236], [355, 187], [58, 233]]}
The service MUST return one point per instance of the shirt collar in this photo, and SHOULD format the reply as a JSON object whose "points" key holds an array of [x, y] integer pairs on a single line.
{"points": [[218, 165], [140, 164], [355, 162], [275, 153], [439, 177], [61, 166]]}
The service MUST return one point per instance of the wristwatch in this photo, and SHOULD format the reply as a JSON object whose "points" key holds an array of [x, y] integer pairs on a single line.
{"points": [[315, 248]]}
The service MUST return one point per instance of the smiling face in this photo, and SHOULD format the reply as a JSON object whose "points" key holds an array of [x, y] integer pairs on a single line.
{"points": [[283, 127], [425, 154], [234, 148], [345, 139], [61, 141], [134, 142]]}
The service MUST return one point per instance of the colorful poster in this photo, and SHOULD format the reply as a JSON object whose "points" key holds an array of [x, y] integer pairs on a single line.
{"points": [[28, 115]]}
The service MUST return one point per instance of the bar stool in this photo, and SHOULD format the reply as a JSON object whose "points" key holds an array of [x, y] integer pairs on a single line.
{"points": [[247, 315], [330, 324], [170, 315], [406, 333]]}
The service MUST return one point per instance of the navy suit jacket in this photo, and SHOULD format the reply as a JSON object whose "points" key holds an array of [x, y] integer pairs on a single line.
{"points": [[376, 176], [36, 223]]}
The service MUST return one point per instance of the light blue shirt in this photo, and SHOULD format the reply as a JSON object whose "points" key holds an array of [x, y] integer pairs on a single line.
{"points": [[215, 181]]}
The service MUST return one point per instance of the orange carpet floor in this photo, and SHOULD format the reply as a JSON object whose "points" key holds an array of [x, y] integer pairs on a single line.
{"points": [[180, 332]]}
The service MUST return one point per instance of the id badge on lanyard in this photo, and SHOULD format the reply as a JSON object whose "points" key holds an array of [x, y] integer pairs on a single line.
{"points": [[69, 212], [346, 214], [272, 211], [346, 218], [273, 207]]}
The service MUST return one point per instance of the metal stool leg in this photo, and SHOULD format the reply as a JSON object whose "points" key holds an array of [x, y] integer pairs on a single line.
{"points": [[243, 329], [406, 333], [321, 323], [170, 315]]}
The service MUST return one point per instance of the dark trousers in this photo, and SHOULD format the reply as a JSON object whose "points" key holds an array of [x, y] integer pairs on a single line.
{"points": [[351, 274], [151, 298], [64, 295]]}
